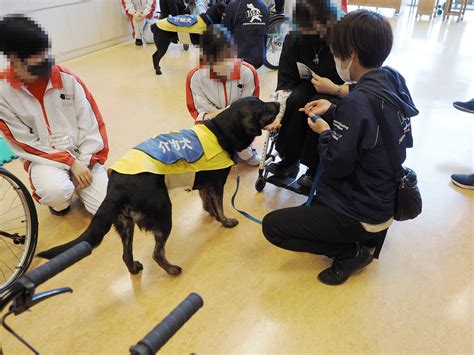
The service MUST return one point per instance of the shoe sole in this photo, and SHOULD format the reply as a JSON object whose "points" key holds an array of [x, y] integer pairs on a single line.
{"points": [[467, 187], [367, 262], [463, 108]]}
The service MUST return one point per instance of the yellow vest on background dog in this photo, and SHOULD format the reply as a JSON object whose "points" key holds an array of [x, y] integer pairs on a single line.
{"points": [[181, 152]]}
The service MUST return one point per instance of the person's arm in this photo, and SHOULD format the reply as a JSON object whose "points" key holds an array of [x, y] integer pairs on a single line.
{"points": [[288, 75], [249, 81], [326, 86], [92, 142], [129, 7], [198, 104], [26, 144], [149, 9], [339, 147]]}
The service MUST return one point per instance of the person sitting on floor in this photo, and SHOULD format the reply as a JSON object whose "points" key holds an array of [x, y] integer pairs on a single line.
{"points": [[50, 120], [139, 12], [221, 79]]}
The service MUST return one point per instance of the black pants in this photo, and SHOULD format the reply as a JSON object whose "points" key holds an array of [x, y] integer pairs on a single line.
{"points": [[316, 229], [296, 141]]}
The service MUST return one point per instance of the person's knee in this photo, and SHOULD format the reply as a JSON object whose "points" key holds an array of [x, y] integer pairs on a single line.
{"points": [[270, 227], [57, 197]]}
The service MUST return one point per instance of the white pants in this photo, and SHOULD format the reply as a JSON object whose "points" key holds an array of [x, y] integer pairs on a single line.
{"points": [[246, 154], [53, 187]]}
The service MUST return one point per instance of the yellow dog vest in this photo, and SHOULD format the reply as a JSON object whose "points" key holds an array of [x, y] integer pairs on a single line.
{"points": [[214, 157]]}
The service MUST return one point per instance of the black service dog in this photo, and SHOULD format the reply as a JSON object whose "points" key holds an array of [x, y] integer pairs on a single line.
{"points": [[163, 39], [143, 199]]}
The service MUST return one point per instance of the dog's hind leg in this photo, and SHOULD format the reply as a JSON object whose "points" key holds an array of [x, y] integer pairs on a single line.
{"points": [[213, 196], [161, 236], [207, 203], [162, 42], [125, 227]]}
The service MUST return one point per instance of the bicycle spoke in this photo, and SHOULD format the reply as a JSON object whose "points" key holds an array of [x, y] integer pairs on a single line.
{"points": [[8, 246]]}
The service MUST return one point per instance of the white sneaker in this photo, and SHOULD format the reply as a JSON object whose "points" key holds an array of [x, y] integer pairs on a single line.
{"points": [[254, 160]]}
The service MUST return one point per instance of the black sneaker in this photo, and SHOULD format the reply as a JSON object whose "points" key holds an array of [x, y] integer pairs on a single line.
{"points": [[341, 269], [284, 169], [60, 213], [465, 181], [467, 106], [138, 42]]}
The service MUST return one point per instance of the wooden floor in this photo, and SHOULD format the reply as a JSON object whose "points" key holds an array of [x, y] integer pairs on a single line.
{"points": [[418, 298]]}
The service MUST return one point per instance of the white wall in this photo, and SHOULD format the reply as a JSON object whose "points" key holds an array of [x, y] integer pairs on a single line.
{"points": [[76, 27]]}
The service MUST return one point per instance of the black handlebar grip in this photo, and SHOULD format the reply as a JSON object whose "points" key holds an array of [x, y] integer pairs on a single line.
{"points": [[158, 337], [58, 263]]}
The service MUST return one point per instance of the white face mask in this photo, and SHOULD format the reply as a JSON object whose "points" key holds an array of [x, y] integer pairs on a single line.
{"points": [[344, 74], [224, 68]]}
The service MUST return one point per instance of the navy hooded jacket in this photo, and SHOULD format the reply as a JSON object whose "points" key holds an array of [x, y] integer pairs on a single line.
{"points": [[247, 21], [357, 179]]}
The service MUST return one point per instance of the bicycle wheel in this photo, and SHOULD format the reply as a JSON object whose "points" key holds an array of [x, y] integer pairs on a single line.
{"points": [[278, 29], [18, 228]]}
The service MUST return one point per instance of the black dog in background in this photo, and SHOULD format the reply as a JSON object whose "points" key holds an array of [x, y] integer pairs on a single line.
{"points": [[163, 39], [143, 199]]}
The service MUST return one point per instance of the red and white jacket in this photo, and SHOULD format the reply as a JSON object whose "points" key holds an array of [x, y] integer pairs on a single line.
{"points": [[67, 108], [145, 7], [205, 93]]}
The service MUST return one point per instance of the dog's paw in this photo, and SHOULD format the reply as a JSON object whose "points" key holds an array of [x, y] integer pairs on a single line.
{"points": [[173, 270], [136, 268], [230, 222]]}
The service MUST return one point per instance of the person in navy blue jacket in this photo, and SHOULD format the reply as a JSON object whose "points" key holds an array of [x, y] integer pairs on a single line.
{"points": [[247, 21], [355, 199]]}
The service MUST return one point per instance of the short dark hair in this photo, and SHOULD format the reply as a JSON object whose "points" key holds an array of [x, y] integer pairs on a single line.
{"points": [[22, 36], [214, 41], [366, 33], [305, 12]]}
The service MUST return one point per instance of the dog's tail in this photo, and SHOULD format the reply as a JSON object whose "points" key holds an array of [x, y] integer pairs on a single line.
{"points": [[95, 232]]}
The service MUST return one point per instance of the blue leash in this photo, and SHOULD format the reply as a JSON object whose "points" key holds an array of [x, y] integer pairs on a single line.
{"points": [[319, 171], [243, 213]]}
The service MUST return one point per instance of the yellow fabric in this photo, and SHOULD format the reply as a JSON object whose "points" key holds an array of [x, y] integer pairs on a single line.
{"points": [[214, 158], [199, 27]]}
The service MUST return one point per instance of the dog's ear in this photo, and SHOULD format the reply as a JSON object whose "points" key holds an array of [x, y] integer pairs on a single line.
{"points": [[269, 113]]}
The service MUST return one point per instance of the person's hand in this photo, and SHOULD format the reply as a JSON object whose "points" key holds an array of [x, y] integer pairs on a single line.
{"points": [[211, 115], [324, 85], [319, 126], [275, 125], [81, 176], [317, 107]]}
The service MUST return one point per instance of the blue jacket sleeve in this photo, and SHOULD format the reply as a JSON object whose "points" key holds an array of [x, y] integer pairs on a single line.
{"points": [[341, 147]]}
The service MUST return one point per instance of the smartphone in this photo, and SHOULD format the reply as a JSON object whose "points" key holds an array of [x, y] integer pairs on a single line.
{"points": [[315, 117]]}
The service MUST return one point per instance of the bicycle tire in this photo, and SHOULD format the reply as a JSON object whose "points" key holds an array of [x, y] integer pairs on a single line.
{"points": [[31, 228]]}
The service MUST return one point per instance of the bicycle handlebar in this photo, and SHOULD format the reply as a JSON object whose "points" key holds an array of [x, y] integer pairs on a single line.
{"points": [[58, 264], [159, 335]]}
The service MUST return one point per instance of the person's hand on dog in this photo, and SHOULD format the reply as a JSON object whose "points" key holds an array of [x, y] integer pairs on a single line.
{"points": [[275, 125], [319, 126], [81, 176], [324, 85], [317, 107]]}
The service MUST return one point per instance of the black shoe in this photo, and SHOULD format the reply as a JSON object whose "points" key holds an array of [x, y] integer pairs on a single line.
{"points": [[138, 42], [467, 106], [60, 213], [185, 47], [341, 269], [305, 180], [284, 169]]}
